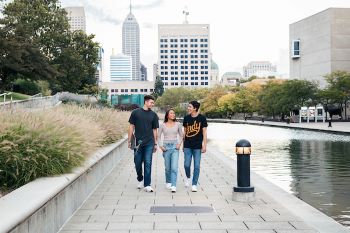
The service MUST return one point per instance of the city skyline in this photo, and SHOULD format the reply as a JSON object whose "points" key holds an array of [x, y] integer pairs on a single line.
{"points": [[242, 31]]}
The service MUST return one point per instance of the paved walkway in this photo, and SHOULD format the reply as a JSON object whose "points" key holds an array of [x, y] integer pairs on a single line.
{"points": [[117, 206], [337, 127]]}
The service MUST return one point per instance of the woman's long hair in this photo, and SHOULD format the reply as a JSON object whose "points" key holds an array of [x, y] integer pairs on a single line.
{"points": [[166, 117]]}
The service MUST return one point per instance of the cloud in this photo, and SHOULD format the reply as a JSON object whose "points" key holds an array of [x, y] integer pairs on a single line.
{"points": [[153, 4], [100, 14], [93, 11], [148, 25]]}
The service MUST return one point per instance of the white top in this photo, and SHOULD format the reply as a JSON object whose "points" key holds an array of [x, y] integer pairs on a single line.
{"points": [[170, 133]]}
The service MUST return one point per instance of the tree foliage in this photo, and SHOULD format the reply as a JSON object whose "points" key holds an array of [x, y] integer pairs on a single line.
{"points": [[36, 43], [158, 87]]}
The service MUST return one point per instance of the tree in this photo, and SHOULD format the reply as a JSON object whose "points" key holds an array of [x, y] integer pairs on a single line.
{"points": [[338, 89], [76, 64], [225, 103], [158, 87], [35, 42], [245, 101], [210, 106], [172, 98]]}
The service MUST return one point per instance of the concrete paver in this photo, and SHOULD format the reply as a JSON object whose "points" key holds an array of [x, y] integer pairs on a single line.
{"points": [[118, 206]]}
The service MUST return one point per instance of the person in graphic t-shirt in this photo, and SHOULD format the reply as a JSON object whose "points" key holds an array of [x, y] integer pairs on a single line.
{"points": [[195, 142], [142, 138]]}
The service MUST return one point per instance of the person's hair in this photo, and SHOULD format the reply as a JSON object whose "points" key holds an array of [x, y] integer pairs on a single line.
{"points": [[166, 117], [147, 97], [195, 104]]}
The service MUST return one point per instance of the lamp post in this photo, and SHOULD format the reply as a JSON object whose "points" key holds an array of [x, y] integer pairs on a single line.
{"points": [[243, 191]]}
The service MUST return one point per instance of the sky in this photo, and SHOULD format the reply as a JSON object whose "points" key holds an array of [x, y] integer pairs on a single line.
{"points": [[240, 30]]}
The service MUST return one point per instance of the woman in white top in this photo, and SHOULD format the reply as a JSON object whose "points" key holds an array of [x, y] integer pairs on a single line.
{"points": [[172, 139]]}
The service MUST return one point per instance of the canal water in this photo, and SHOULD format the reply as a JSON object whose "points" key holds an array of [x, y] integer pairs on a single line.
{"points": [[313, 166]]}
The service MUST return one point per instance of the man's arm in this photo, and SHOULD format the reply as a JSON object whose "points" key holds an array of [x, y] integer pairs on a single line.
{"points": [[130, 132], [204, 145], [155, 135]]}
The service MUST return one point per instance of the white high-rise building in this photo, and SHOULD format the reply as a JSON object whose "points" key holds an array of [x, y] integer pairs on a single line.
{"points": [[131, 43], [120, 67], [76, 18], [260, 69], [184, 55]]}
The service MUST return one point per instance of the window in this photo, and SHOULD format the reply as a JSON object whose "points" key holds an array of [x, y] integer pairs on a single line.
{"points": [[295, 49]]}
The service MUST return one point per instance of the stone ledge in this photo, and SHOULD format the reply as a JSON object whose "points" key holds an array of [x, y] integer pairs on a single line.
{"points": [[45, 204]]}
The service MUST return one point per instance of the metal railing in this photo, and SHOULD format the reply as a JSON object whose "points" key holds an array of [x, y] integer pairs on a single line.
{"points": [[32, 103], [7, 94]]}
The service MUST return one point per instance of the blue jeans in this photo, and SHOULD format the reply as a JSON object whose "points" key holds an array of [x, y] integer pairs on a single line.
{"points": [[144, 154], [171, 158], [196, 154]]}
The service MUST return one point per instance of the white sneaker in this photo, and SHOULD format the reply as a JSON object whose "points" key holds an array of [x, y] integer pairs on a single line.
{"points": [[187, 182], [168, 185], [148, 189], [194, 188], [140, 185], [173, 189]]}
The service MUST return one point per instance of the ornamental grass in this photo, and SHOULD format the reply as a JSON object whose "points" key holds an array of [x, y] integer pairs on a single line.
{"points": [[52, 142]]}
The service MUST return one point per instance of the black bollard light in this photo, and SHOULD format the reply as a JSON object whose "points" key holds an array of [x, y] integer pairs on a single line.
{"points": [[330, 123], [243, 151], [262, 119]]}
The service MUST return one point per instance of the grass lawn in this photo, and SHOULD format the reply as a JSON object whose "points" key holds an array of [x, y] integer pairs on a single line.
{"points": [[15, 96]]}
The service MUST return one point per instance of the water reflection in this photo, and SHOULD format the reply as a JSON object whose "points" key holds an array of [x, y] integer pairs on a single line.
{"points": [[313, 166]]}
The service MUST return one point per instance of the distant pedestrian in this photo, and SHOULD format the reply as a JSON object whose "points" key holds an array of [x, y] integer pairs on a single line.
{"points": [[172, 132], [195, 142], [142, 137]]}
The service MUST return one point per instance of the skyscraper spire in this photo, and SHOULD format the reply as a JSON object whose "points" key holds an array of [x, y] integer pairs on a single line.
{"points": [[130, 6], [185, 12]]}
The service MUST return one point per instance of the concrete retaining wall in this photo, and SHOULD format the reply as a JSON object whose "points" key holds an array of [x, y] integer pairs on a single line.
{"points": [[44, 205], [34, 103]]}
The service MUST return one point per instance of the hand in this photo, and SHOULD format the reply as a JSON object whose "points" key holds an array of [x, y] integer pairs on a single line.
{"points": [[155, 148], [204, 149], [178, 147], [162, 148], [129, 145]]}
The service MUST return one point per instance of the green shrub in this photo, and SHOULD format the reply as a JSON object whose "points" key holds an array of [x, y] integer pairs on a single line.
{"points": [[26, 87]]}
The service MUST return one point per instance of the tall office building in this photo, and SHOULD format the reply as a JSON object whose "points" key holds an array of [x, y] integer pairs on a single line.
{"points": [[155, 71], [143, 71], [131, 43], [260, 69], [100, 66], [184, 55], [120, 67], [76, 18]]}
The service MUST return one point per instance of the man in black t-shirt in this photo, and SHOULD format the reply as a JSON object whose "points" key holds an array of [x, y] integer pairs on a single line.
{"points": [[143, 134], [195, 142]]}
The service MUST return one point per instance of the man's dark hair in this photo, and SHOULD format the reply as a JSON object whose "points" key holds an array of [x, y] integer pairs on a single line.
{"points": [[195, 104], [147, 97]]}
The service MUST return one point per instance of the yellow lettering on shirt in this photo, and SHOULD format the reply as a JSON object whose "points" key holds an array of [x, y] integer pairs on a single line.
{"points": [[193, 130]]}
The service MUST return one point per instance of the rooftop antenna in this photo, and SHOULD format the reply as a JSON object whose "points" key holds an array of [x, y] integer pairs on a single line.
{"points": [[186, 13]]}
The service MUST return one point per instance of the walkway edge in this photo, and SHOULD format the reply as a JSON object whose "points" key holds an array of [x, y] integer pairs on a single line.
{"points": [[279, 125], [45, 204], [313, 217]]}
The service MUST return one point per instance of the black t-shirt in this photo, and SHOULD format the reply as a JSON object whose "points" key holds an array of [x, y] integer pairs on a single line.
{"points": [[194, 131], [144, 122]]}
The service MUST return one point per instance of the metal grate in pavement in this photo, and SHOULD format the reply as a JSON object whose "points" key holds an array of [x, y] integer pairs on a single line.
{"points": [[181, 209]]}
